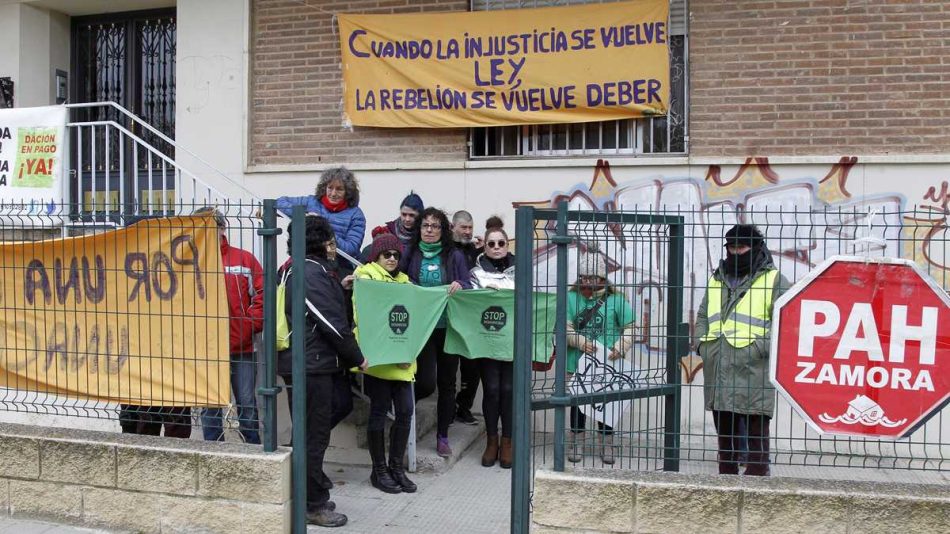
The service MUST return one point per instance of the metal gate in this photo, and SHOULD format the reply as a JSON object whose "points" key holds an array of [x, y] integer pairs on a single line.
{"points": [[639, 393]]}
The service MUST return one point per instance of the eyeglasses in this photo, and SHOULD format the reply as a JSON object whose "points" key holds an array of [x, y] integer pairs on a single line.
{"points": [[429, 226], [497, 244], [390, 255]]}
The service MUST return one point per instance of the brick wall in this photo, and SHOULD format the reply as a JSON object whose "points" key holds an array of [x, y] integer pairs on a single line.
{"points": [[297, 90], [819, 77]]}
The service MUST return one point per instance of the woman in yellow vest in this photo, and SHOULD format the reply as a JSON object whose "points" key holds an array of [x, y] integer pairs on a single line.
{"points": [[388, 386], [598, 316], [733, 327]]}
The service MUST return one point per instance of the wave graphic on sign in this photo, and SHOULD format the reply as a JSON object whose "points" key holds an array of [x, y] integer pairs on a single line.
{"points": [[864, 411]]}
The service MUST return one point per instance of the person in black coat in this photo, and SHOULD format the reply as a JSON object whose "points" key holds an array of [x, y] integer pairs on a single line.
{"points": [[330, 348]]}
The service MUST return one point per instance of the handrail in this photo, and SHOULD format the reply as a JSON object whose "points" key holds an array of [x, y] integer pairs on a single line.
{"points": [[165, 138]]}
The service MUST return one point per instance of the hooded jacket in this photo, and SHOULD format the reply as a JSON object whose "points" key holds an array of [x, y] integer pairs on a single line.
{"points": [[330, 343], [486, 274], [737, 380], [244, 281]]}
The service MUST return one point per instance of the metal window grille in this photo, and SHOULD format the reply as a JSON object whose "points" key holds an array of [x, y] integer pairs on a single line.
{"points": [[657, 135]]}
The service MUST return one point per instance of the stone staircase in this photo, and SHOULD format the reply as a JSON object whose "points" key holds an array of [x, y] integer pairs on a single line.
{"points": [[348, 445]]}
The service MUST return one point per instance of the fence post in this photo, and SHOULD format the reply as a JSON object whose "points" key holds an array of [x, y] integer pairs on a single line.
{"points": [[297, 294], [269, 390], [677, 334], [559, 399], [524, 351]]}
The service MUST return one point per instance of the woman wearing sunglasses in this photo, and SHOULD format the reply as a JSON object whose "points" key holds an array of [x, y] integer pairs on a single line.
{"points": [[433, 261], [495, 269], [388, 386], [598, 316]]}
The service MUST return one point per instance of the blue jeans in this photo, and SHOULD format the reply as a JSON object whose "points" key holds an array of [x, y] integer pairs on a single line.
{"points": [[243, 386]]}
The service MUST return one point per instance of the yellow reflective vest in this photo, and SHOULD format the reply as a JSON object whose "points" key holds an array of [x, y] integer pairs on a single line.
{"points": [[748, 319]]}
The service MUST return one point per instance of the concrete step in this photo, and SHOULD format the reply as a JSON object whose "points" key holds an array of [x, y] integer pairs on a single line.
{"points": [[462, 438], [426, 418]]}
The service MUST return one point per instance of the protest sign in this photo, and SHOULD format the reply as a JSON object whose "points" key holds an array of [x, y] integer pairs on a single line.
{"points": [[481, 324], [597, 374], [395, 320], [526, 66], [32, 146], [137, 315]]}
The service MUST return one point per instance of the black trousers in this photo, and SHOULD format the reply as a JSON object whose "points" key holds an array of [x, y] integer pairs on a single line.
{"points": [[730, 442], [579, 421], [341, 401], [469, 370], [148, 420], [497, 382], [384, 394], [319, 413], [438, 368]]}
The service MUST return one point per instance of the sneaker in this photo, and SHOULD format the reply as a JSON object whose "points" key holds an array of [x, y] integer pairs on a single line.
{"points": [[465, 416], [442, 447], [323, 517]]}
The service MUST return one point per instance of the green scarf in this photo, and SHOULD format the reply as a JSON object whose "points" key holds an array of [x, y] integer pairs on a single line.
{"points": [[430, 250]]}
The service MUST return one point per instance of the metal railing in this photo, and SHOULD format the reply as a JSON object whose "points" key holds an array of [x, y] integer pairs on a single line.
{"points": [[122, 169]]}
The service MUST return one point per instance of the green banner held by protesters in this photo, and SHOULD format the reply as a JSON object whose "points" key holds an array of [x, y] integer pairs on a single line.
{"points": [[481, 324], [395, 320]]}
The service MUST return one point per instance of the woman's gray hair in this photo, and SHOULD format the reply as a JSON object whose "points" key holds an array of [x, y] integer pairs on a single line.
{"points": [[344, 175]]}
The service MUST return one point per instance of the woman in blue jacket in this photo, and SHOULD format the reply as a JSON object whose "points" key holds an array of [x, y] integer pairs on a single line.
{"points": [[337, 200], [432, 260]]}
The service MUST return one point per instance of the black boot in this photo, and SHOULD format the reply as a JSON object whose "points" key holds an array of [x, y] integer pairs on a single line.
{"points": [[380, 478], [398, 438]]}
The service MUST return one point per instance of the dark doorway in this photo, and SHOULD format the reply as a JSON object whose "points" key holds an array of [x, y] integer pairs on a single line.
{"points": [[126, 58]]}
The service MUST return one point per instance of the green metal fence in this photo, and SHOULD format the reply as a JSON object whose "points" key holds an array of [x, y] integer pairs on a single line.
{"points": [[87, 328], [659, 260]]}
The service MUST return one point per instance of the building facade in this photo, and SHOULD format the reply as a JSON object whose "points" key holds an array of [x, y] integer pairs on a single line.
{"points": [[783, 106]]}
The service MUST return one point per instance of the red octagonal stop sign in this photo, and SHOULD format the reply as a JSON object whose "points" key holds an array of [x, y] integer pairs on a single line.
{"points": [[862, 347]]}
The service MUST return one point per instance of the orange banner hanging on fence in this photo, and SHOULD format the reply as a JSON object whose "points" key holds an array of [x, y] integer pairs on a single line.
{"points": [[524, 66], [137, 315]]}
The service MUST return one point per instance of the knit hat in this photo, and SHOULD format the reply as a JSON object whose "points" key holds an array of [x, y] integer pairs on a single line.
{"points": [[413, 201], [382, 243], [744, 234], [592, 263]]}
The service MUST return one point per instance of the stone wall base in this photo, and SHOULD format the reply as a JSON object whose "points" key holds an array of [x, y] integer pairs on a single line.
{"points": [[142, 483], [602, 501]]}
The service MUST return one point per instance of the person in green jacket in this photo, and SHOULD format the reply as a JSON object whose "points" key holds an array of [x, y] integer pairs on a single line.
{"points": [[388, 386], [600, 323], [733, 329]]}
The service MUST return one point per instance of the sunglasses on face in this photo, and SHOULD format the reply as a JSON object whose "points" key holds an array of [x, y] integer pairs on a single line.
{"points": [[497, 244], [390, 255]]}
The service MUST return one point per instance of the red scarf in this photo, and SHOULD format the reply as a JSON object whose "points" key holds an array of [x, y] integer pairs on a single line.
{"points": [[333, 208]]}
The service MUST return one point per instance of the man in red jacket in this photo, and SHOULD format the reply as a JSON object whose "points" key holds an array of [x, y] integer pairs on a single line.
{"points": [[244, 280]]}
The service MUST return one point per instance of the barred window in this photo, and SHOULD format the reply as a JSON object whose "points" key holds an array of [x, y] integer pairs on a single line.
{"points": [[655, 135]]}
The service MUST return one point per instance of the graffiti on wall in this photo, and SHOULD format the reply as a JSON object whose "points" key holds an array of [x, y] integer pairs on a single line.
{"points": [[805, 220]]}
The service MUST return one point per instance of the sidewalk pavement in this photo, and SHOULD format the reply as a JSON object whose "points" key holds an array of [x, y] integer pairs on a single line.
{"points": [[23, 526], [466, 499]]}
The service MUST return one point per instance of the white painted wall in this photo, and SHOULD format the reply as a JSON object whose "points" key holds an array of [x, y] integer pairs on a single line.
{"points": [[34, 43], [212, 86], [10, 42]]}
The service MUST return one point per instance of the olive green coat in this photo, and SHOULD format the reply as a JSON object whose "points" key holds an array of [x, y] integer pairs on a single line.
{"points": [[737, 380]]}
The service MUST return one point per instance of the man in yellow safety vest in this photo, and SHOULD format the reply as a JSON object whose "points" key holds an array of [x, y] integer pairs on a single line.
{"points": [[733, 329]]}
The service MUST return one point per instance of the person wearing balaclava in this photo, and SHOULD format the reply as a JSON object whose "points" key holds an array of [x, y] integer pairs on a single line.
{"points": [[733, 329]]}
